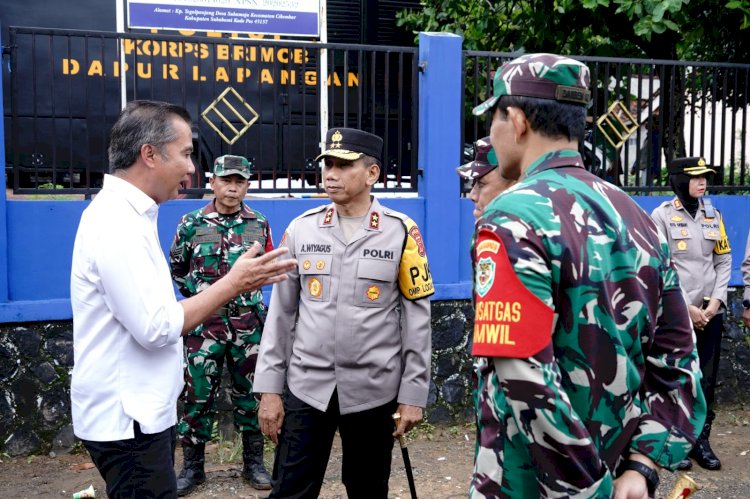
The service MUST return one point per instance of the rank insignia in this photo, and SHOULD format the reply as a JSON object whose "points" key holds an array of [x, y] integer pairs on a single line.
{"points": [[373, 293], [328, 219], [677, 204], [283, 240], [315, 287], [306, 265], [374, 220], [684, 232], [336, 139], [681, 245], [676, 218], [320, 265], [485, 275]]}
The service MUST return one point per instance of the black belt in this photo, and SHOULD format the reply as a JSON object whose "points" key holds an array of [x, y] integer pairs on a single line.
{"points": [[232, 310]]}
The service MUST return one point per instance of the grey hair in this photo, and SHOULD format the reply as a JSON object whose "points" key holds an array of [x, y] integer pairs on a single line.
{"points": [[142, 122]]}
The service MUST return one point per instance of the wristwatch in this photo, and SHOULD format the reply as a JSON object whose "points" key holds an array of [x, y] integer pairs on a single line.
{"points": [[746, 303], [650, 474]]}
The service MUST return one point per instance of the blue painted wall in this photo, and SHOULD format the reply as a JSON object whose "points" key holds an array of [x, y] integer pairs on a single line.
{"points": [[36, 237]]}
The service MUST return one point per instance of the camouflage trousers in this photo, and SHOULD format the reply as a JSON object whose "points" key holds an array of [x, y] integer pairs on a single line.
{"points": [[206, 349]]}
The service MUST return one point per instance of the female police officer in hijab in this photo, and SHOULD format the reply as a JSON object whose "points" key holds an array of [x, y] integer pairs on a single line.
{"points": [[700, 249]]}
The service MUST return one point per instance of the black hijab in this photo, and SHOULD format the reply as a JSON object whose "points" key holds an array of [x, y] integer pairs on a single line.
{"points": [[680, 184]]}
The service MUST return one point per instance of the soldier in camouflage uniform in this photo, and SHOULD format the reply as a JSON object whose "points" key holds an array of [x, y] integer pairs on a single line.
{"points": [[588, 378], [207, 243], [485, 177]]}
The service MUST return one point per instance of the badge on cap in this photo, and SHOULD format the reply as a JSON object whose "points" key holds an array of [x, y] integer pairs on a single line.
{"points": [[336, 139]]}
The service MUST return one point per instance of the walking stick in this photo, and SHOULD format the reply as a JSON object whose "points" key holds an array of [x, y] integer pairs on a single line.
{"points": [[407, 462]]}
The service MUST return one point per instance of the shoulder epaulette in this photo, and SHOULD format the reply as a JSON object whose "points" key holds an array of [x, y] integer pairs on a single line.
{"points": [[312, 211]]}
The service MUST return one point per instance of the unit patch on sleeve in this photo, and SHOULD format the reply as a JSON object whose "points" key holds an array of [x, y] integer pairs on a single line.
{"points": [[722, 245], [414, 278], [510, 321]]}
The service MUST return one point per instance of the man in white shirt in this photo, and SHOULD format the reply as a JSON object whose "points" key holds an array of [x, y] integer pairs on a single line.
{"points": [[127, 322]]}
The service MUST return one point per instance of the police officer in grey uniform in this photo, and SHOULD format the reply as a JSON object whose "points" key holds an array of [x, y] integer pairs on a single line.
{"points": [[701, 253], [350, 333]]}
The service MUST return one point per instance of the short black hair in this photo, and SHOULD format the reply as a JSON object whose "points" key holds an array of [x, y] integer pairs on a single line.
{"points": [[142, 122], [548, 117]]}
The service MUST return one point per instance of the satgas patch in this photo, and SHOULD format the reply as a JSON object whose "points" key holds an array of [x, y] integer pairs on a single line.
{"points": [[414, 278], [510, 321], [722, 245], [485, 276]]}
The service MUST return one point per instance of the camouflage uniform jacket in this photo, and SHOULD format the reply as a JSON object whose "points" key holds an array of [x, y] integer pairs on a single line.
{"points": [[206, 246], [700, 248], [563, 399]]}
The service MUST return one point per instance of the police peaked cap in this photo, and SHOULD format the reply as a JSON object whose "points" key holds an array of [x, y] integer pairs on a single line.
{"points": [[692, 166], [350, 144]]}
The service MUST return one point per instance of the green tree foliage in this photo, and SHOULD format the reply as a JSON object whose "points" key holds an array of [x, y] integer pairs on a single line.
{"points": [[659, 29]]}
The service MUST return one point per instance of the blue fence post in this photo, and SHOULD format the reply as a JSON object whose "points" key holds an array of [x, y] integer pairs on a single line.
{"points": [[3, 200], [439, 154]]}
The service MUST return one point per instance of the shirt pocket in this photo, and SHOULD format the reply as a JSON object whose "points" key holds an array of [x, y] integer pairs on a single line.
{"points": [[207, 257], [374, 284], [680, 237], [315, 276], [711, 233]]}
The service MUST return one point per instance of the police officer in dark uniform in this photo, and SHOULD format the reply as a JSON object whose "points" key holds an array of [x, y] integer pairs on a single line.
{"points": [[700, 249]]}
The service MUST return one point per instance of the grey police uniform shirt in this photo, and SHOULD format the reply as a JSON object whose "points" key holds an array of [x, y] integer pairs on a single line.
{"points": [[352, 316], [699, 247]]}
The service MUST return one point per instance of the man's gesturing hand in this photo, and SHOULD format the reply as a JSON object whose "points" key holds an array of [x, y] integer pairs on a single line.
{"points": [[250, 273]]}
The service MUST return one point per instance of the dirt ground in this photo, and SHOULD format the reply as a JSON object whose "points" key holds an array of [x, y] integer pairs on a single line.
{"points": [[441, 458]]}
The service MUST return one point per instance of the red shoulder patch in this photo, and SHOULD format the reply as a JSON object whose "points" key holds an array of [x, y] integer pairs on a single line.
{"points": [[510, 321]]}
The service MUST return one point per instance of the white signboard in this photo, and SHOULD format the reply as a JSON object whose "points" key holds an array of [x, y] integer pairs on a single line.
{"points": [[273, 17]]}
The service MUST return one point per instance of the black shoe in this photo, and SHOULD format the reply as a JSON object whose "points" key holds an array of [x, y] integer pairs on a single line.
{"points": [[704, 455], [252, 455], [192, 473], [685, 464]]}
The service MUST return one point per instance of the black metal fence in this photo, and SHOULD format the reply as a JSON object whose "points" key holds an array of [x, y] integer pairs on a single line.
{"points": [[643, 114], [256, 98]]}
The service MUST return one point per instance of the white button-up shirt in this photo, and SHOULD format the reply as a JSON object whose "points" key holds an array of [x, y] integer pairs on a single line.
{"points": [[127, 322]]}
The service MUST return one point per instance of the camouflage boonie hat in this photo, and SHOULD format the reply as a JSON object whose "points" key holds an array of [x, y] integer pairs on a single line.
{"points": [[351, 144], [545, 76], [485, 160], [231, 165], [690, 166]]}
